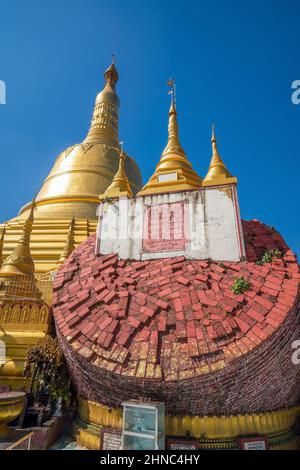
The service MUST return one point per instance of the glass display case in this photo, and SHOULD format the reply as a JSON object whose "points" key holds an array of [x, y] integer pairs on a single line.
{"points": [[143, 425]]}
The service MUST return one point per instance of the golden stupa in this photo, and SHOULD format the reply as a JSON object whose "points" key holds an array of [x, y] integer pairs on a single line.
{"points": [[218, 173], [120, 186], [174, 171], [79, 174]]}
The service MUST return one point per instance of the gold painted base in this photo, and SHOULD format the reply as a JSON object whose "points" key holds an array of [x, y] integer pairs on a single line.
{"points": [[212, 432]]}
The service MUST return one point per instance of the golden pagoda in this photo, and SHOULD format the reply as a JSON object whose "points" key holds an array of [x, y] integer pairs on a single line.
{"points": [[120, 186], [79, 174], [174, 171], [218, 173]]}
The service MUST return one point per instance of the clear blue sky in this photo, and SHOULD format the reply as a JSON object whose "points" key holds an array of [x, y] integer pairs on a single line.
{"points": [[233, 60]]}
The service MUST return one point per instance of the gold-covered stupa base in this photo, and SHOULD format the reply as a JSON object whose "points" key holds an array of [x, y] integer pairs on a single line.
{"points": [[212, 432], [219, 180], [182, 182]]}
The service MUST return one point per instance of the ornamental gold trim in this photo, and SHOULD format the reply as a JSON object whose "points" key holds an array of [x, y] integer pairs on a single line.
{"points": [[226, 190], [15, 314]]}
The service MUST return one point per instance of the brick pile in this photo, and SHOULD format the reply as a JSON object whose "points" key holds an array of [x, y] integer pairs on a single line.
{"points": [[172, 329]]}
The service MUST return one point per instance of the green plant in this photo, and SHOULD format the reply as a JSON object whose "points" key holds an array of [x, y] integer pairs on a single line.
{"points": [[46, 367], [240, 286], [60, 387], [269, 255]]}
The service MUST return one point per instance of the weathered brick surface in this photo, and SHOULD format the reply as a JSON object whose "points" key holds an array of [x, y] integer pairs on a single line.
{"points": [[172, 329]]}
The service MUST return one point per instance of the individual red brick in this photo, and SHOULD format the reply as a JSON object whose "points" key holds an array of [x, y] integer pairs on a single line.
{"points": [[227, 327], [199, 333], [264, 302], [257, 316], [110, 297], [129, 281], [133, 321], [183, 280], [244, 327], [150, 312], [102, 323], [269, 291], [178, 305], [190, 329], [259, 332]]}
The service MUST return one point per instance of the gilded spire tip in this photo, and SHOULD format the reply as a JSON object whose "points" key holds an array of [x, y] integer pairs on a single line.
{"points": [[213, 133], [172, 84], [111, 75]]}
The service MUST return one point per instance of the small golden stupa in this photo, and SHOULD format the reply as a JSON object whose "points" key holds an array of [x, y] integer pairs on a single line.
{"points": [[174, 171], [17, 281], [120, 186], [218, 173], [69, 246]]}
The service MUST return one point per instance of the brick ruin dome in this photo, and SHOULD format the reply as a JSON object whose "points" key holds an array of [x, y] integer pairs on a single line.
{"points": [[172, 329]]}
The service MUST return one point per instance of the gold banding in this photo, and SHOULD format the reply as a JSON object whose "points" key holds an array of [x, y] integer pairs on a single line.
{"points": [[93, 416]]}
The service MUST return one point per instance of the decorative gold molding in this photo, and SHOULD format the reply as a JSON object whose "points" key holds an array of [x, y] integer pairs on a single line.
{"points": [[226, 190], [16, 314]]}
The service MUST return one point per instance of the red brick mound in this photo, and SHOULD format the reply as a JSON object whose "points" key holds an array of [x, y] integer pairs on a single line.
{"points": [[173, 330]]}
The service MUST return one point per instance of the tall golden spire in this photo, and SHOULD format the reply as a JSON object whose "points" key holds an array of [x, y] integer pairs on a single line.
{"points": [[217, 173], [69, 245], [119, 186], [105, 120], [1, 245], [174, 171], [20, 261]]}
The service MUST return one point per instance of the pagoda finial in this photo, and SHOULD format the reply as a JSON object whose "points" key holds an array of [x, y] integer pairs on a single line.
{"points": [[20, 261], [119, 186], [70, 243], [1, 244], [218, 173], [105, 121], [213, 136], [172, 84], [173, 144]]}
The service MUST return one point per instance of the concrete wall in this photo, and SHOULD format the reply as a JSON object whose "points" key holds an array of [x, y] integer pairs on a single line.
{"points": [[198, 224]]}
